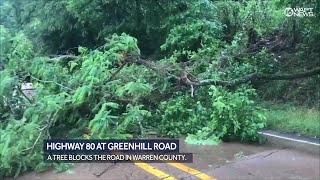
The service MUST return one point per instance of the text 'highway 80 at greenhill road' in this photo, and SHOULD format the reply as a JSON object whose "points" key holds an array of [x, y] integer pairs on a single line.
{"points": [[146, 150]]}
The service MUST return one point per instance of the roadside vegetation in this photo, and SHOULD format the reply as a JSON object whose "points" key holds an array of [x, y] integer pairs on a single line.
{"points": [[295, 119], [125, 69]]}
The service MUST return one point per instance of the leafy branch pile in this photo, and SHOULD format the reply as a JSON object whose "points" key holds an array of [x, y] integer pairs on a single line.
{"points": [[171, 76]]}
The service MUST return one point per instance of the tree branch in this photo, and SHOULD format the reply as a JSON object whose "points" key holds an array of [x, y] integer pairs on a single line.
{"points": [[235, 82], [260, 76], [50, 82], [55, 58], [165, 69], [64, 56], [115, 73]]}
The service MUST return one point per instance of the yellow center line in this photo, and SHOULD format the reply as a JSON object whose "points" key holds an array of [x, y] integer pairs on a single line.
{"points": [[189, 170], [152, 170]]}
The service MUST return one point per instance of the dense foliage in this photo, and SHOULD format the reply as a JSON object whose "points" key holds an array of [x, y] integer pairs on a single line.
{"points": [[108, 67]]}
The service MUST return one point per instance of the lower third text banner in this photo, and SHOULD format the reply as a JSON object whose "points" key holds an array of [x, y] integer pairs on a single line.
{"points": [[119, 157], [137, 150]]}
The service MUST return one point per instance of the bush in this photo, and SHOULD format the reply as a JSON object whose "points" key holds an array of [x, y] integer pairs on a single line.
{"points": [[227, 116]]}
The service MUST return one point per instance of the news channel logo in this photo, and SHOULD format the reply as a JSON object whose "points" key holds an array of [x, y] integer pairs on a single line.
{"points": [[299, 12]]}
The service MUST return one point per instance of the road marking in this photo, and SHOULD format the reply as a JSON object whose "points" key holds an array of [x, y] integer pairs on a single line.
{"points": [[192, 171], [282, 137], [165, 176], [150, 169], [153, 170]]}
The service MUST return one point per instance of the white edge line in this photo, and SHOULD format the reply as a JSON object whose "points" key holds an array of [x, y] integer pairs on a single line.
{"points": [[289, 138]]}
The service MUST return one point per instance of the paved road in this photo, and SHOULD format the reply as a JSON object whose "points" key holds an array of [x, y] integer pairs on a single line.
{"points": [[225, 161]]}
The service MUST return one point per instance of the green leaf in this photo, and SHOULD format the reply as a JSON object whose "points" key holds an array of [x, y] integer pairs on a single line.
{"points": [[72, 65]]}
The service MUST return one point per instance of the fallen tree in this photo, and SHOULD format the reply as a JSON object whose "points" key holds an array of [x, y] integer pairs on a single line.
{"points": [[117, 94]]}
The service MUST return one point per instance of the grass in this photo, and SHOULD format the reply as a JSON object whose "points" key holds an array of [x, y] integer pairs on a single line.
{"points": [[286, 118]]}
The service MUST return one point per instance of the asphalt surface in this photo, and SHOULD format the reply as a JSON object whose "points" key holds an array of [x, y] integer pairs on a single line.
{"points": [[224, 161]]}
